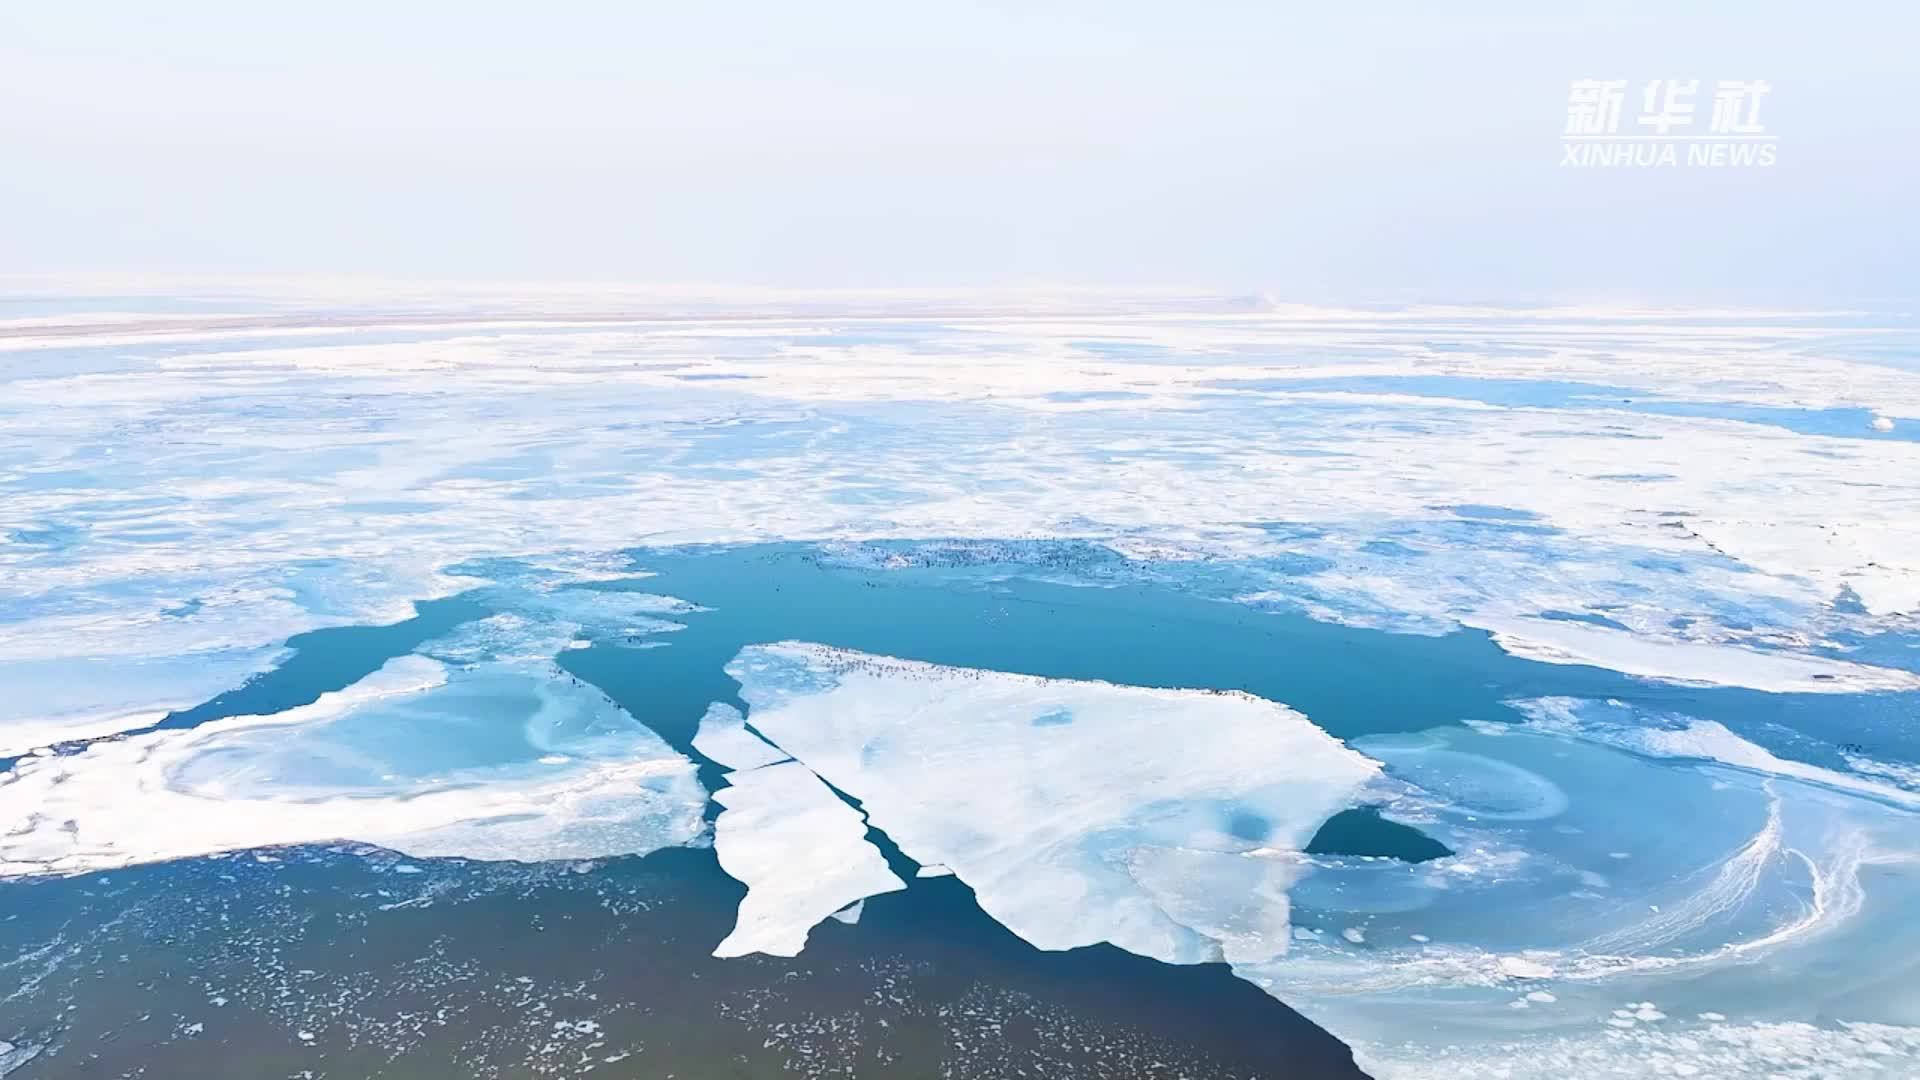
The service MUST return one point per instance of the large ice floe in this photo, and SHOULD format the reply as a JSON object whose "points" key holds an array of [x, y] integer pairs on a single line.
{"points": [[1602, 912], [1167, 822]]}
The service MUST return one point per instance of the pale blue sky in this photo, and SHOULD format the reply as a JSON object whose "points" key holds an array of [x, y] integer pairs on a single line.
{"points": [[1407, 153]]}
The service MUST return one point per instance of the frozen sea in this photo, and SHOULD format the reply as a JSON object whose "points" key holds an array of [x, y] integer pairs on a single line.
{"points": [[445, 681]]}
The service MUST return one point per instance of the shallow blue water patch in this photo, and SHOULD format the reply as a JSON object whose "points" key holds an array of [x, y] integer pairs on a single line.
{"points": [[1127, 350], [1489, 512], [1053, 718], [1534, 393], [50, 535], [1392, 549], [1840, 423], [1587, 617], [1094, 395], [1828, 423]]}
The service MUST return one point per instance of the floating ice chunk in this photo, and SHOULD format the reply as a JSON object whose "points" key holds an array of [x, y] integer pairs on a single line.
{"points": [[14, 1055], [1162, 821], [802, 852], [723, 736], [1689, 663], [1520, 967], [933, 870], [417, 758], [1882, 422], [541, 623], [1355, 935]]}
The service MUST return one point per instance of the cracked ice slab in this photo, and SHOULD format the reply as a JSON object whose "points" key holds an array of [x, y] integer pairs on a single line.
{"points": [[723, 737], [1167, 822], [801, 851]]}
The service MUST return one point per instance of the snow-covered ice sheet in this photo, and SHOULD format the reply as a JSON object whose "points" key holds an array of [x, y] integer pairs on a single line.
{"points": [[1167, 822], [1693, 663]]}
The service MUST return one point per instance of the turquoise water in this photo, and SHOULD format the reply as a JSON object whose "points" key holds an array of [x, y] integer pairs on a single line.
{"points": [[1021, 615]]}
